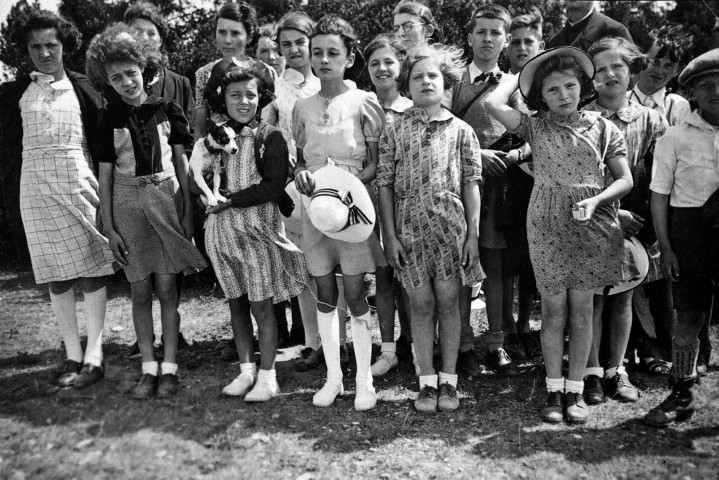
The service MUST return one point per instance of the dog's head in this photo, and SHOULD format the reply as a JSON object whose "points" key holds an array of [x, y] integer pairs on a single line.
{"points": [[222, 137]]}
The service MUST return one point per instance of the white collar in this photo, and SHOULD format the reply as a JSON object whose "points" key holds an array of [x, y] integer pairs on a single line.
{"points": [[696, 119], [47, 79], [571, 24], [657, 96], [474, 71]]}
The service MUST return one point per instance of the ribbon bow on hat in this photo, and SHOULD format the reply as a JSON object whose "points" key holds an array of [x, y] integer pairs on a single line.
{"points": [[355, 215], [488, 77]]}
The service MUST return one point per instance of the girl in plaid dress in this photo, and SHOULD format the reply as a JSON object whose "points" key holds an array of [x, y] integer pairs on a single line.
{"points": [[144, 193], [428, 181], [45, 121]]}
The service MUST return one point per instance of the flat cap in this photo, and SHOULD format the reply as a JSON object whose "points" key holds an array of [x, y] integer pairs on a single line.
{"points": [[705, 63]]}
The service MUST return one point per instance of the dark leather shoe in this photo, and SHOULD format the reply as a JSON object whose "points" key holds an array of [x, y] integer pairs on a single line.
{"points": [[677, 407], [514, 347], [70, 373], [89, 375], [501, 362], [447, 401], [168, 385], [146, 388], [553, 410], [468, 364], [577, 410], [310, 360], [593, 390]]}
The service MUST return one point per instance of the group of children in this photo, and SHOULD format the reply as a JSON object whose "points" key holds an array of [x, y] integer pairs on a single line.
{"points": [[416, 182]]}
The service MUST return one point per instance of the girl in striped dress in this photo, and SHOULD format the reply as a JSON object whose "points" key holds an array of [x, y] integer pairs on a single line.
{"points": [[255, 263]]}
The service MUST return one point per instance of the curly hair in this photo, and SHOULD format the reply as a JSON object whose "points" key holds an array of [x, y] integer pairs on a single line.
{"points": [[234, 74], [449, 59], [244, 13], [559, 63], [117, 43], [299, 21], [635, 60], [672, 42], [425, 15], [149, 12], [36, 19]]}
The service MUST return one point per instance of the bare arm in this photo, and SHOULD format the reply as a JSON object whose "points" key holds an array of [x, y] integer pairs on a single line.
{"points": [[183, 177], [472, 206], [660, 215], [497, 104], [394, 251], [200, 123], [370, 171], [622, 184], [117, 245], [304, 181]]}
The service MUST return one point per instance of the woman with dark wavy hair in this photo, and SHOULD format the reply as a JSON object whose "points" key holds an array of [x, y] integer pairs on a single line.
{"points": [[49, 176]]}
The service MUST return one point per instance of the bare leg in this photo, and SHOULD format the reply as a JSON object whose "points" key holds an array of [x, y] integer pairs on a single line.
{"points": [[554, 318], [267, 331], [422, 304], [166, 288], [242, 328], [446, 293], [580, 331], [142, 317]]}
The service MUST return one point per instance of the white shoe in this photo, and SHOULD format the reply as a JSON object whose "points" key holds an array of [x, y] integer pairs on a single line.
{"points": [[327, 394], [384, 363], [264, 390], [365, 398], [240, 385]]}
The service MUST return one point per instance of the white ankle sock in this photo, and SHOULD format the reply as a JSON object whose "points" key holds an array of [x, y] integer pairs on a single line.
{"points": [[427, 381], [597, 371], [266, 375], [573, 386], [362, 338], [250, 368], [95, 307], [448, 378], [63, 305], [610, 372], [150, 368], [168, 368], [389, 347], [329, 328], [555, 384]]}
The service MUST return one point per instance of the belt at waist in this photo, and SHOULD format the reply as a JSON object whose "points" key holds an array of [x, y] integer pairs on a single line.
{"points": [[155, 178]]}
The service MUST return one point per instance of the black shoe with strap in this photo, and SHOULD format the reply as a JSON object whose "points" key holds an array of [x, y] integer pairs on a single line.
{"points": [[89, 375], [677, 407]]}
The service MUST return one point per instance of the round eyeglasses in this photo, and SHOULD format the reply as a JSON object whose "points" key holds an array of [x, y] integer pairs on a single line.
{"points": [[406, 27]]}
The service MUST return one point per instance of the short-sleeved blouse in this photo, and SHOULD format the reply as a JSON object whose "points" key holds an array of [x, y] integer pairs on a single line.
{"points": [[286, 95], [350, 120], [569, 166]]}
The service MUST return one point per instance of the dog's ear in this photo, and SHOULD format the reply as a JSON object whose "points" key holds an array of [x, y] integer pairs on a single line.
{"points": [[211, 127]]}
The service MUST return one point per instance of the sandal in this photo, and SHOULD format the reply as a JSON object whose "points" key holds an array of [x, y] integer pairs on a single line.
{"points": [[658, 367]]}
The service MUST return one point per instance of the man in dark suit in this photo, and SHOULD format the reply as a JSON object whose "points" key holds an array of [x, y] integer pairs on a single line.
{"points": [[585, 25]]}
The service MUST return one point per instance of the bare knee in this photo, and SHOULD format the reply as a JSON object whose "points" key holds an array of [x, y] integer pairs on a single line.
{"points": [[142, 293]]}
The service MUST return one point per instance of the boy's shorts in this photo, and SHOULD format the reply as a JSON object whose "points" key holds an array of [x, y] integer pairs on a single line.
{"points": [[692, 243]]}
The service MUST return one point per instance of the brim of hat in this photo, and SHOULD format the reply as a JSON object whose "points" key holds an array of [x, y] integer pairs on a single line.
{"points": [[342, 180], [293, 223], [526, 75], [686, 81], [642, 260]]}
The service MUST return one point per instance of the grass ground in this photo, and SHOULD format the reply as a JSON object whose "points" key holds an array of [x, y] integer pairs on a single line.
{"points": [[46, 432]]}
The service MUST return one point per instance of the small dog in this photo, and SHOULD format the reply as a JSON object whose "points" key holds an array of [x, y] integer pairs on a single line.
{"points": [[206, 156]]}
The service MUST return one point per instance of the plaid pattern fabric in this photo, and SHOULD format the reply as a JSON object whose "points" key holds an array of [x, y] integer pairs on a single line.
{"points": [[58, 191]]}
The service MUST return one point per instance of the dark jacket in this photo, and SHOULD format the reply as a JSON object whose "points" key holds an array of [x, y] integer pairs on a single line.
{"points": [[584, 33], [173, 86], [11, 143]]}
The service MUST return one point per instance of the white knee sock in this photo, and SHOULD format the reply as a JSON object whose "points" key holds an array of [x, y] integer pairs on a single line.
{"points": [[63, 305], [329, 328], [95, 307], [362, 338]]}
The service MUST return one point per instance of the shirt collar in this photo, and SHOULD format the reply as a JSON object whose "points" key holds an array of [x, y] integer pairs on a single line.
{"points": [[581, 19], [657, 96], [627, 114], [421, 114], [474, 71], [399, 105], [47, 79], [696, 119]]}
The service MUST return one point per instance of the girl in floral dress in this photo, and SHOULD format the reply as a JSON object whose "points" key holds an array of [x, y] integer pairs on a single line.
{"points": [[575, 242]]}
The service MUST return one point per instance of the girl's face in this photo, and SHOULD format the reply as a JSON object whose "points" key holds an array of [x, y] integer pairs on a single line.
{"points": [[267, 52], [659, 72], [561, 92], [411, 29], [295, 48], [148, 33], [242, 100], [126, 79], [230, 38], [612, 78], [46, 51], [329, 57], [383, 68], [426, 83]]}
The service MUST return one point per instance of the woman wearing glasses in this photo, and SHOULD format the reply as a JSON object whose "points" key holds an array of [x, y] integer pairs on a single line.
{"points": [[415, 23]]}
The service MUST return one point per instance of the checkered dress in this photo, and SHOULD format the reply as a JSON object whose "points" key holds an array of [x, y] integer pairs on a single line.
{"points": [[58, 191]]}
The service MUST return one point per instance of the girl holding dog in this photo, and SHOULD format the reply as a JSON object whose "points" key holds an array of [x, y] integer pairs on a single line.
{"points": [[144, 183], [255, 263]]}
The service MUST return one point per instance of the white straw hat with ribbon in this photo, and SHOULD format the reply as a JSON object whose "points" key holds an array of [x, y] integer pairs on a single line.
{"points": [[526, 75], [639, 253], [340, 206]]}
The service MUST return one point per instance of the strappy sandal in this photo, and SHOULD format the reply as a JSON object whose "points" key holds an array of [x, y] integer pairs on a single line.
{"points": [[657, 367]]}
